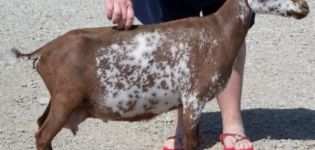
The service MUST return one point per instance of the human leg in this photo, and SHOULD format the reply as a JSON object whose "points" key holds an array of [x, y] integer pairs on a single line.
{"points": [[229, 102]]}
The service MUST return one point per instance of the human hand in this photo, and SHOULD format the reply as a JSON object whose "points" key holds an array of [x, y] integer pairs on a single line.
{"points": [[120, 12]]}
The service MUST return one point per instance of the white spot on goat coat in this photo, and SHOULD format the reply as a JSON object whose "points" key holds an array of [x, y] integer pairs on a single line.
{"points": [[191, 101], [244, 10], [145, 43], [215, 78], [135, 82]]}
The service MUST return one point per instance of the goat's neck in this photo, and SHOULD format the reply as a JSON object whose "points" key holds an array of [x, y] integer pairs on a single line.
{"points": [[234, 17]]}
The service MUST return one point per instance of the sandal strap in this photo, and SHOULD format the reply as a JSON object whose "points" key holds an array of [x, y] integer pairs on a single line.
{"points": [[238, 137]]}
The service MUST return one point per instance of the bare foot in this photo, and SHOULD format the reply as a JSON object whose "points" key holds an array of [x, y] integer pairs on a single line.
{"points": [[174, 143]]}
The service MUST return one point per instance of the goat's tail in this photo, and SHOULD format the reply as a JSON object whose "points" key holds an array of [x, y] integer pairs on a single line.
{"points": [[12, 56]]}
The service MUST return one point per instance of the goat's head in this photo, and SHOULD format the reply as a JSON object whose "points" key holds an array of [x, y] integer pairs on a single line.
{"points": [[295, 8]]}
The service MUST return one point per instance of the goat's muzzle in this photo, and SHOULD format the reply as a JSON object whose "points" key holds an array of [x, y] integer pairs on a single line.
{"points": [[302, 11]]}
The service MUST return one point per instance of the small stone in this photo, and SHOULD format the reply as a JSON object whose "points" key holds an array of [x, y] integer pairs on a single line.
{"points": [[91, 138], [304, 43], [43, 101], [22, 131]]}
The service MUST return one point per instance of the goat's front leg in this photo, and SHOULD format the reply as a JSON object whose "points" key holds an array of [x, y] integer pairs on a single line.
{"points": [[192, 108]]}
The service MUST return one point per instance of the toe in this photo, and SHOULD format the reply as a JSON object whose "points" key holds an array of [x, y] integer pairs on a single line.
{"points": [[174, 143], [243, 145]]}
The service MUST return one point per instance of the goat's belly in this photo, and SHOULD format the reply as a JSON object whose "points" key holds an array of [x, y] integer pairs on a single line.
{"points": [[133, 103]]}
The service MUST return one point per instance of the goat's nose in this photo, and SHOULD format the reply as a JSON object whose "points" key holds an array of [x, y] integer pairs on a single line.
{"points": [[303, 10], [305, 7]]}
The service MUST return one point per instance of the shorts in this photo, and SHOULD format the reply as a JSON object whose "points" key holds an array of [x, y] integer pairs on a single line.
{"points": [[156, 11]]}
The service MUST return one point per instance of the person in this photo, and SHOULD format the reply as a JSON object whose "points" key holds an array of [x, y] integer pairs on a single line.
{"points": [[122, 12]]}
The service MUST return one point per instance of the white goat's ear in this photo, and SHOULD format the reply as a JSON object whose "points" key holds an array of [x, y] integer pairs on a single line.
{"points": [[8, 57]]}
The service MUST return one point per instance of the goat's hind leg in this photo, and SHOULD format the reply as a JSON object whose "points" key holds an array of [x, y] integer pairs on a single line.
{"points": [[59, 110], [41, 120], [192, 109]]}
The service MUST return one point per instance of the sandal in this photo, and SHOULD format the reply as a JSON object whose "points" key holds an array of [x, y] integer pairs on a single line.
{"points": [[237, 137]]}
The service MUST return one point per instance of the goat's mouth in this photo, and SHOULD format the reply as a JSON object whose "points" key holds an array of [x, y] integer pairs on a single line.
{"points": [[303, 10]]}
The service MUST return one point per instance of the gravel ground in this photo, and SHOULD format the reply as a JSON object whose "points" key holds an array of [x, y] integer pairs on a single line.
{"points": [[278, 97]]}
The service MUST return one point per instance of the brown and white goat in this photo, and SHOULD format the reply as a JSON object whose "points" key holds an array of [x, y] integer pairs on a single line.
{"points": [[148, 70]]}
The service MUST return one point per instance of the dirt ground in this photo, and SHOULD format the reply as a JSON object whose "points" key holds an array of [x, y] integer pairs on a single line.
{"points": [[278, 95]]}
